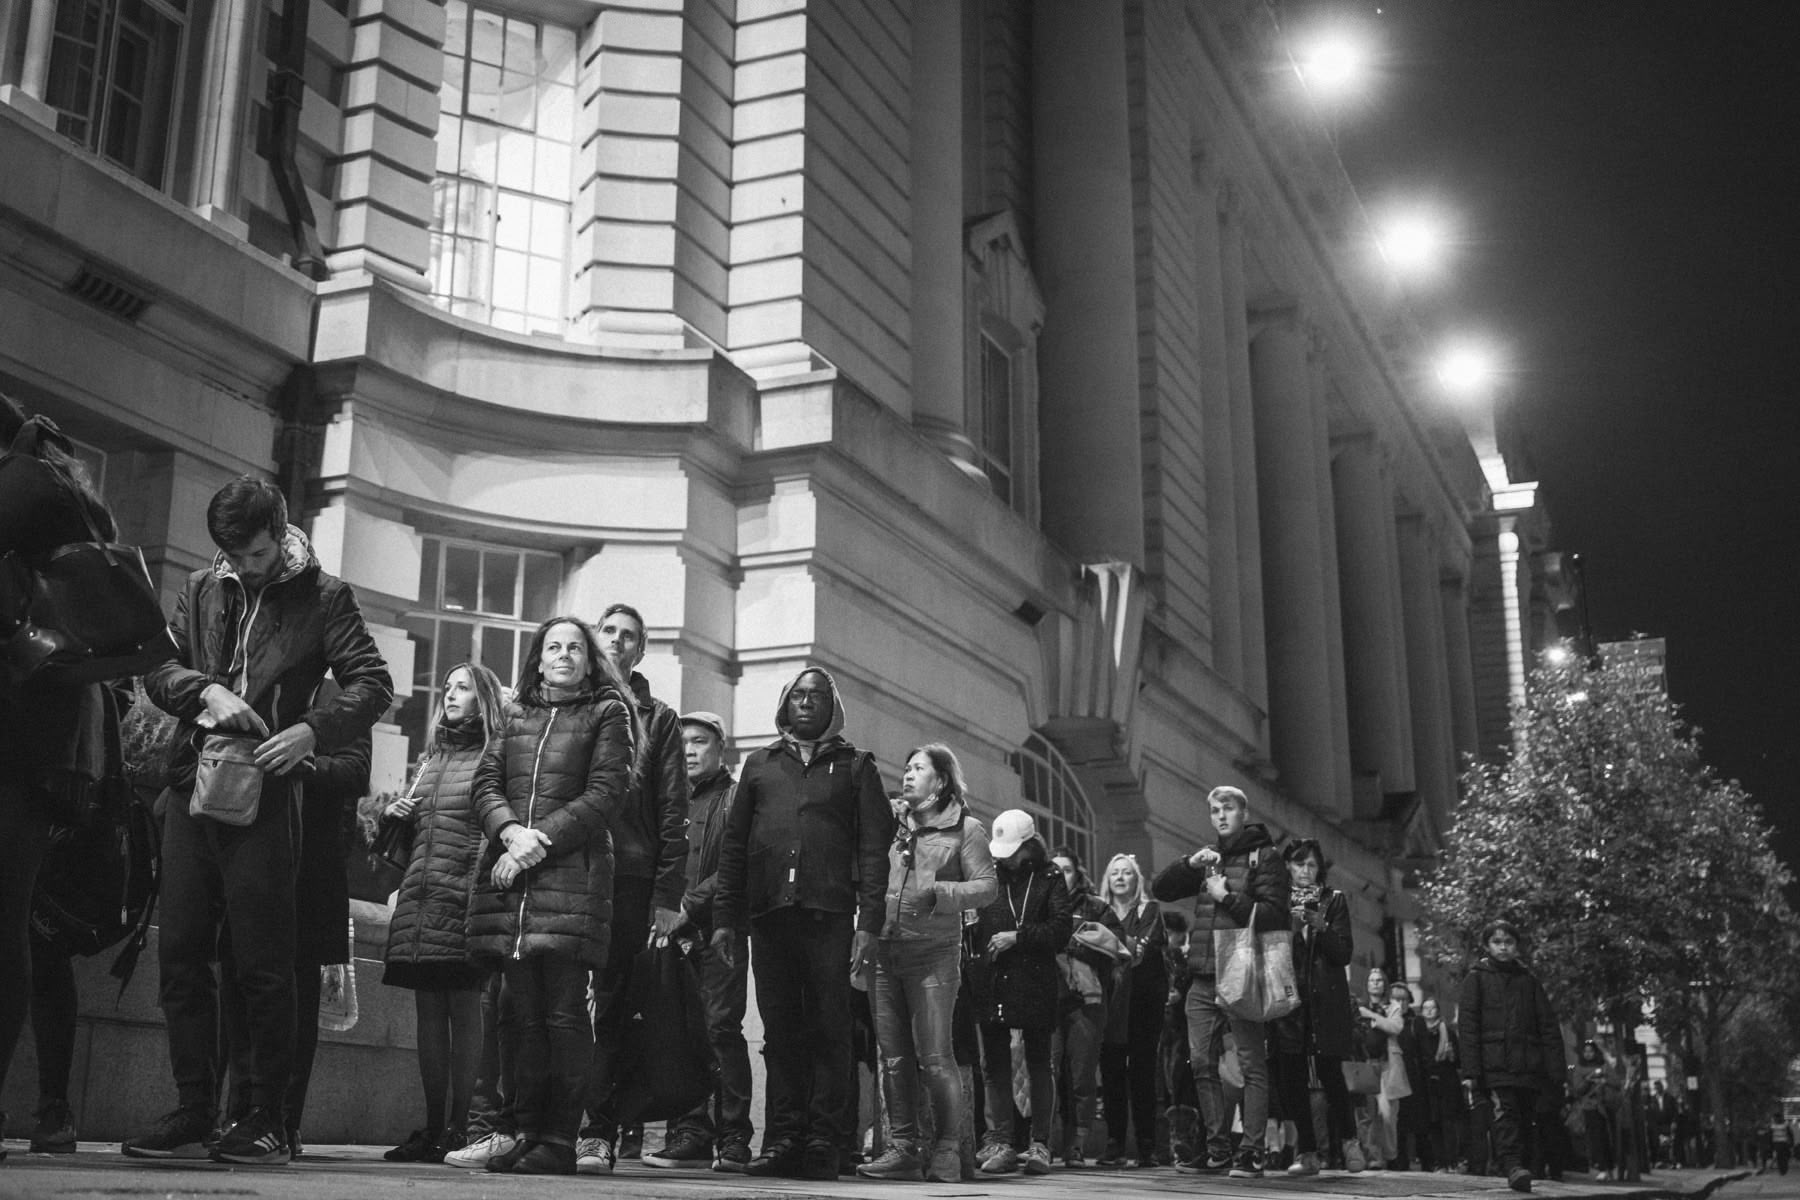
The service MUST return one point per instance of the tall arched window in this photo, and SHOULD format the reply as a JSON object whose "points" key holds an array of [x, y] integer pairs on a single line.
{"points": [[1053, 796]]}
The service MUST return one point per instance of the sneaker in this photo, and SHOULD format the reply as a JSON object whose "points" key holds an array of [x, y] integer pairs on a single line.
{"points": [[898, 1161], [1110, 1156], [733, 1158], [1036, 1159], [546, 1158], [1353, 1156], [448, 1141], [180, 1134], [1248, 1164], [593, 1156], [1519, 1179], [781, 1160], [999, 1160], [1306, 1164], [259, 1140], [54, 1132], [1073, 1157], [945, 1165], [475, 1155], [684, 1151], [417, 1147], [1205, 1163], [821, 1161]]}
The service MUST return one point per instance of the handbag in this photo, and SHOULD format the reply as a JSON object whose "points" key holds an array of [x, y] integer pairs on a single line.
{"points": [[1362, 1078], [1255, 973], [227, 783], [83, 613]]}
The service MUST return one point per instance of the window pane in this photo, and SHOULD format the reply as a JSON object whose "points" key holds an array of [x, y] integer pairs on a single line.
{"points": [[449, 139], [511, 280], [481, 152], [550, 177], [518, 99], [456, 642], [515, 160], [421, 631], [547, 225], [485, 36], [556, 112], [543, 580], [546, 295], [559, 55], [456, 28], [499, 582], [497, 651], [521, 46], [484, 91], [462, 571], [514, 229], [428, 573]]}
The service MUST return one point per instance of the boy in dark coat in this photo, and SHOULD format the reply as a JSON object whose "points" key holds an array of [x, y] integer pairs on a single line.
{"points": [[1240, 883], [1511, 1047]]}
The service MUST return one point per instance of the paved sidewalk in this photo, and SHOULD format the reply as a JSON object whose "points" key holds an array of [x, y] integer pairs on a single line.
{"points": [[100, 1172]]}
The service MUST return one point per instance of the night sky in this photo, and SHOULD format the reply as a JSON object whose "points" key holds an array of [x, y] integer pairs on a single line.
{"points": [[1628, 178]]}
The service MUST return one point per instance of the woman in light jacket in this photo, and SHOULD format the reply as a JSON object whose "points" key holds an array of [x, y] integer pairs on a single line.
{"points": [[938, 868], [428, 938]]}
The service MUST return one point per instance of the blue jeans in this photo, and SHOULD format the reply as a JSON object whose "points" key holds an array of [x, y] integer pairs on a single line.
{"points": [[915, 998], [1206, 1023]]}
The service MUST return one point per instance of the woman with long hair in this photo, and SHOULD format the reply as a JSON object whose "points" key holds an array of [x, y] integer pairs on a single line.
{"points": [[938, 868], [545, 790], [428, 942], [1315, 1038], [1134, 1014], [46, 501]]}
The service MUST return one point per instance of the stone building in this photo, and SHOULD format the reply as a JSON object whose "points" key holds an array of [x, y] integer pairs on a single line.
{"points": [[1021, 363]]}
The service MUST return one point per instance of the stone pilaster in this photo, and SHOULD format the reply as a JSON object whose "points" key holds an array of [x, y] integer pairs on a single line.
{"points": [[939, 405], [1242, 438], [1223, 464], [1434, 749]]}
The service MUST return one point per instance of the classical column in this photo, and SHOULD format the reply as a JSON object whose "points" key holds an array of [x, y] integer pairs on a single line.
{"points": [[219, 144], [1434, 751], [1328, 575], [1374, 658], [939, 331], [1287, 474], [1092, 460], [1223, 553], [1459, 651], [1243, 450]]}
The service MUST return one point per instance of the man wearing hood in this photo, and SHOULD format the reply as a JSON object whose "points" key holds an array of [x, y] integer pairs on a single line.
{"points": [[803, 865], [1241, 883], [256, 632], [649, 876]]}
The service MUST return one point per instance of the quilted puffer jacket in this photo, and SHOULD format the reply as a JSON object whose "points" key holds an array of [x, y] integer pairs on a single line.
{"points": [[1256, 896], [563, 767], [431, 909]]}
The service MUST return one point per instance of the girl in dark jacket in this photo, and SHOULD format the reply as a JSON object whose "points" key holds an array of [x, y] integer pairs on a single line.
{"points": [[428, 939], [1315, 1038], [1511, 1047], [45, 501], [545, 791], [1134, 1018], [1017, 939]]}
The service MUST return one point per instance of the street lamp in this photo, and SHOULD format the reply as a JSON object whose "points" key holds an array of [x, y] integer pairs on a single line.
{"points": [[1414, 242], [1469, 367]]}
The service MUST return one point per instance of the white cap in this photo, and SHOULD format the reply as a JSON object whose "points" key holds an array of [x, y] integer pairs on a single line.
{"points": [[1012, 829]]}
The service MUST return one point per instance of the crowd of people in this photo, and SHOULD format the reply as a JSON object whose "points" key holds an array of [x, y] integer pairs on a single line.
{"points": [[559, 826]]}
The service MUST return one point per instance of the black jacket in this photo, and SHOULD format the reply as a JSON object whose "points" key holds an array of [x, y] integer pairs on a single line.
{"points": [[806, 835], [563, 768], [707, 810], [1257, 883], [1507, 1030], [431, 907], [338, 780], [1017, 988], [275, 647], [1323, 1024], [650, 829]]}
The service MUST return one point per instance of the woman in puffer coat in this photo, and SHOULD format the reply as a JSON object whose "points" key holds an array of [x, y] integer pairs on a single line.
{"points": [[938, 868], [545, 792], [428, 936]]}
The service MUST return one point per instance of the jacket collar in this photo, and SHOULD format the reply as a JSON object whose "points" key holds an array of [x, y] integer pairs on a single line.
{"points": [[297, 558]]}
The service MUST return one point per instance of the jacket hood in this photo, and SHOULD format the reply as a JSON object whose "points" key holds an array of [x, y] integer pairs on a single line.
{"points": [[947, 817], [1250, 837], [1498, 968], [297, 558], [834, 728], [640, 692]]}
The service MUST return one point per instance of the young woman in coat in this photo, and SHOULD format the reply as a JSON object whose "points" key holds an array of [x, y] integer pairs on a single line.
{"points": [[428, 937], [545, 792], [1317, 1034], [1017, 939], [938, 867], [1134, 1018]]}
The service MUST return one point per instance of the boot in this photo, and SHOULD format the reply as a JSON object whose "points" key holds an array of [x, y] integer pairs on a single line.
{"points": [[1353, 1156], [1184, 1132]]}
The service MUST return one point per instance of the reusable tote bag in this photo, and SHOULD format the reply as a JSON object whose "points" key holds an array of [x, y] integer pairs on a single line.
{"points": [[1255, 972]]}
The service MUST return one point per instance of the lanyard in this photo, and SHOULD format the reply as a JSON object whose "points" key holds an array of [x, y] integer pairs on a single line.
{"points": [[1019, 910]]}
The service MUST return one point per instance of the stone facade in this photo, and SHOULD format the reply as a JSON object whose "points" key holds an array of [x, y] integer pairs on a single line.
{"points": [[1014, 361]]}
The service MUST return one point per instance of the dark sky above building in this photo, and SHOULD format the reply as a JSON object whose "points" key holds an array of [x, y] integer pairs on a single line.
{"points": [[1628, 177]]}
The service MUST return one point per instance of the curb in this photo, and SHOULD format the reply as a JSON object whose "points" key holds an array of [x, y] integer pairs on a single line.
{"points": [[1705, 1190]]}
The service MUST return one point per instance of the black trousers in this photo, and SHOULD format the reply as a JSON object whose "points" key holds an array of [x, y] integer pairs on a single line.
{"points": [[23, 833], [803, 990], [543, 999], [491, 1104], [213, 874], [612, 983], [724, 1117], [234, 1031], [1510, 1134], [53, 1008], [1128, 1072]]}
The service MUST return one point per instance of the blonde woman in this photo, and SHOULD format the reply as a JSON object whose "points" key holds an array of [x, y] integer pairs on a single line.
{"points": [[1134, 1014]]}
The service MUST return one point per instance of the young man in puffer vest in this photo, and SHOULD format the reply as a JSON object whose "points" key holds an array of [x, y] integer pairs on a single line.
{"points": [[1239, 883]]}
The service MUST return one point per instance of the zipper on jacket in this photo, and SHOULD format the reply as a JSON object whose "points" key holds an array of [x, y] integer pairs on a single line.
{"points": [[430, 836], [537, 761]]}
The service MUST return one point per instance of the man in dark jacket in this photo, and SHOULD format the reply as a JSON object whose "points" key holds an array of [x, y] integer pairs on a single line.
{"points": [[649, 863], [256, 632], [804, 864], [1511, 1047], [717, 1132], [1241, 883]]}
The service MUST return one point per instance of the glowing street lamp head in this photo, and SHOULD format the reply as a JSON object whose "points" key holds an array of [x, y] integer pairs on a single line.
{"points": [[1414, 242], [1468, 368], [1333, 63]]}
